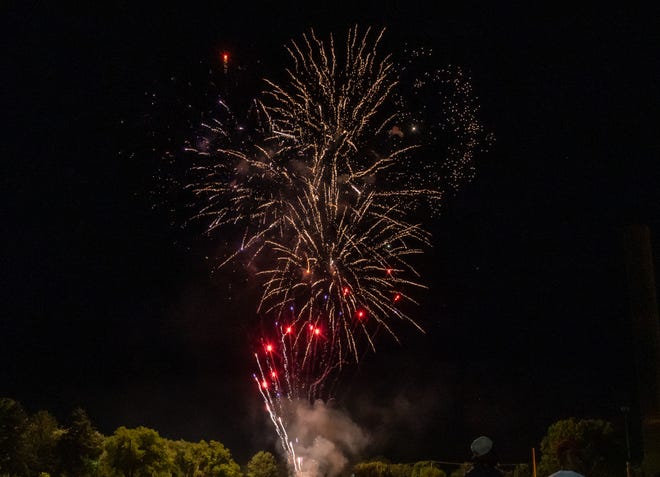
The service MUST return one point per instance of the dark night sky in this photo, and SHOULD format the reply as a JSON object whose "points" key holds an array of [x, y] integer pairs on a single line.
{"points": [[526, 317]]}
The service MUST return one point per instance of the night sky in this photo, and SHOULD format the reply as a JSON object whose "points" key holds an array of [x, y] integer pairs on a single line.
{"points": [[106, 307]]}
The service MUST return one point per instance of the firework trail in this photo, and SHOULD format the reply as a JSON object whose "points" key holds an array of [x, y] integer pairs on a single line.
{"points": [[324, 188]]}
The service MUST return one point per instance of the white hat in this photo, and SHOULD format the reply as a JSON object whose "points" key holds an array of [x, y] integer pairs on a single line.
{"points": [[481, 446]]}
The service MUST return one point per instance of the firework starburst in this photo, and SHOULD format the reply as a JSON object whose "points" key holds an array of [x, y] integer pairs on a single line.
{"points": [[323, 187]]}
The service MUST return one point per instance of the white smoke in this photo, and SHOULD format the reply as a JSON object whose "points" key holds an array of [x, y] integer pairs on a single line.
{"points": [[324, 438]]}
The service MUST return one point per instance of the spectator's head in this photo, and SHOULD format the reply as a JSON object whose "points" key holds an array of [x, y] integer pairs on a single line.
{"points": [[481, 446], [482, 451]]}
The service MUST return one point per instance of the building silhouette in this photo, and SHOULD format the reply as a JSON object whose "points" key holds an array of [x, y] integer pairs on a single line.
{"points": [[646, 340]]}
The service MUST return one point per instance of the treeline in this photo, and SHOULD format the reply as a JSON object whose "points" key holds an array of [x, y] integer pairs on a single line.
{"points": [[602, 450], [37, 445], [420, 469], [427, 468]]}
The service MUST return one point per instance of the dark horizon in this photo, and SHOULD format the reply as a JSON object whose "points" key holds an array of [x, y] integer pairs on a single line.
{"points": [[526, 317]]}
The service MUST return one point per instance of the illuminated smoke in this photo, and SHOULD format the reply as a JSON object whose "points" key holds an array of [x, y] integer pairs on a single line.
{"points": [[326, 439]]}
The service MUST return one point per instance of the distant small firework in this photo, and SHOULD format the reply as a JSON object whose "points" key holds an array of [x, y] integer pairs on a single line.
{"points": [[323, 181], [440, 106]]}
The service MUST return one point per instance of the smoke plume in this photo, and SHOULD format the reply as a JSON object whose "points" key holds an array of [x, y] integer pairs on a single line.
{"points": [[324, 438]]}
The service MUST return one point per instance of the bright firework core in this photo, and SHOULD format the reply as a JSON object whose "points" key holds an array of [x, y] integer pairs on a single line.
{"points": [[325, 188]]}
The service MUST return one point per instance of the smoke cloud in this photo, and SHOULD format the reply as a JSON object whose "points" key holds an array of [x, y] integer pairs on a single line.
{"points": [[325, 438]]}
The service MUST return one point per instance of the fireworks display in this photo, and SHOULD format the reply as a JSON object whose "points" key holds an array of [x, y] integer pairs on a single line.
{"points": [[324, 187]]}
